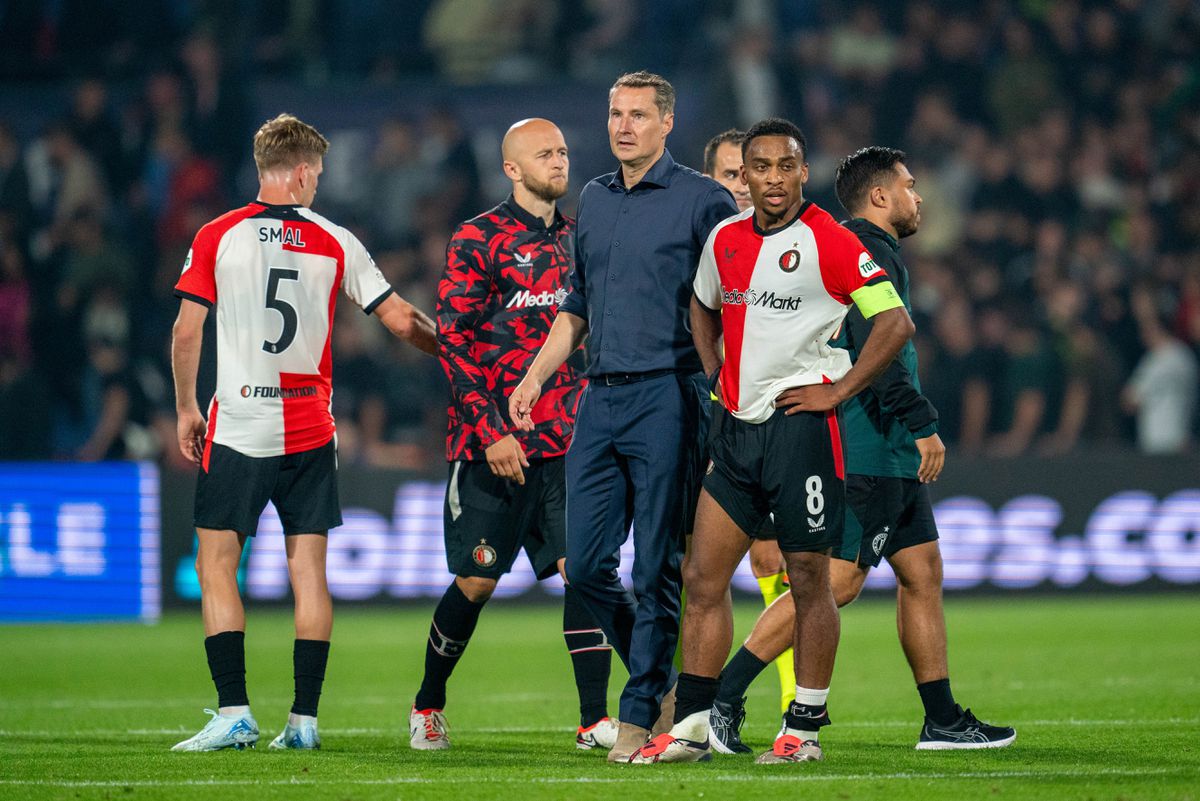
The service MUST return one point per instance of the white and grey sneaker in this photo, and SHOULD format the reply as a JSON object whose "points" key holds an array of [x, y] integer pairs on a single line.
{"points": [[966, 732], [303, 736], [223, 731], [601, 734], [427, 730]]}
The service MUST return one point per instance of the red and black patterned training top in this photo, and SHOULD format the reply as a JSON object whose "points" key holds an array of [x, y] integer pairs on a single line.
{"points": [[506, 273]]}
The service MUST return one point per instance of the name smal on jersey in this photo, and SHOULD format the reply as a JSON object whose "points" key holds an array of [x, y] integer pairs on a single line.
{"points": [[767, 300], [286, 236]]}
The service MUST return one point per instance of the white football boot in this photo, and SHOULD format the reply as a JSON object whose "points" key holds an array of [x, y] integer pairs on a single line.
{"points": [[223, 731]]}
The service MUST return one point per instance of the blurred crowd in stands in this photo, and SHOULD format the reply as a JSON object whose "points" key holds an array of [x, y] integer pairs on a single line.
{"points": [[1056, 145]]}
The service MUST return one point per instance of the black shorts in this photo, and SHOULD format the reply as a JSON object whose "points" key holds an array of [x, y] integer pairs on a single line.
{"points": [[488, 519], [887, 515], [235, 489], [786, 467]]}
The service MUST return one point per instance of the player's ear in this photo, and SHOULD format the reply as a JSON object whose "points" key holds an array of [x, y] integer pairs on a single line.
{"points": [[668, 122], [879, 198], [512, 170], [804, 173]]}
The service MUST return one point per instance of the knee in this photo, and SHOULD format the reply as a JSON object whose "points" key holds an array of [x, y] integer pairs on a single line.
{"points": [[846, 594], [477, 590], [919, 573], [210, 568], [763, 568], [808, 578], [846, 579], [703, 592]]}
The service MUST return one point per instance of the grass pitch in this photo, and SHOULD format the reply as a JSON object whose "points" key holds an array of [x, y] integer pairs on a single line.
{"points": [[1104, 692]]}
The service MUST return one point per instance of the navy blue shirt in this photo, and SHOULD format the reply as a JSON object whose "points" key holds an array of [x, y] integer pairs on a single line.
{"points": [[636, 252]]}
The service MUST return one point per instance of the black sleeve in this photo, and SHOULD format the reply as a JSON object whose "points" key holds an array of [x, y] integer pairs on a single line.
{"points": [[894, 386]]}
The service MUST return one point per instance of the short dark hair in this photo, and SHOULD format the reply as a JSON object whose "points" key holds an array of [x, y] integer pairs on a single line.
{"points": [[775, 126], [733, 136], [859, 172], [664, 93]]}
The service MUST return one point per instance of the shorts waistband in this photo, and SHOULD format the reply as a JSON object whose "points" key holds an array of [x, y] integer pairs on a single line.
{"points": [[616, 379]]}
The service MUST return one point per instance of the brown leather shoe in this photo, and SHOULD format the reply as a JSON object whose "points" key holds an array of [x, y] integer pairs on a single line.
{"points": [[666, 714], [629, 739]]}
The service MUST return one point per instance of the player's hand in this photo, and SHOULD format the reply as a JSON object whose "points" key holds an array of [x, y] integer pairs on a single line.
{"points": [[521, 401], [933, 458], [812, 398], [190, 430], [506, 458]]}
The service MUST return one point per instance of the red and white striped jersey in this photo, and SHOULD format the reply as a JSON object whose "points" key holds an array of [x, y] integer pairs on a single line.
{"points": [[782, 296], [273, 273]]}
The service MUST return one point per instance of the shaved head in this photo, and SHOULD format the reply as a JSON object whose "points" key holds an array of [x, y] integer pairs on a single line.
{"points": [[535, 158], [525, 134]]}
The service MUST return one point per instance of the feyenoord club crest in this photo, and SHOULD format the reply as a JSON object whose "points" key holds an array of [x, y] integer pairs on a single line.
{"points": [[484, 554], [879, 541], [789, 261]]}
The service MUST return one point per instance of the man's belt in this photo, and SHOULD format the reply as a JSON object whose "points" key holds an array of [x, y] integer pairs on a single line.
{"points": [[616, 379]]}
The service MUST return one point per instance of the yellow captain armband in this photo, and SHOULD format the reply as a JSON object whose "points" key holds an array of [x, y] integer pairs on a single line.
{"points": [[875, 298]]}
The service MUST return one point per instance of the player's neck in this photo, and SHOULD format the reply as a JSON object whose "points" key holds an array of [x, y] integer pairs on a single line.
{"points": [[533, 204], [768, 224], [881, 222], [278, 193]]}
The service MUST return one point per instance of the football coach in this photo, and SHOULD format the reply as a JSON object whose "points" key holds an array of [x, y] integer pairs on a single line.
{"points": [[638, 448]]}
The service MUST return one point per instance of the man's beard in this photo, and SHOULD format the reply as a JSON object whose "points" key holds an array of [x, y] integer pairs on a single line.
{"points": [[907, 226], [544, 191]]}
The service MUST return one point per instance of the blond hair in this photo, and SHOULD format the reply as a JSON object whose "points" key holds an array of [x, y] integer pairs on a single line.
{"points": [[664, 93], [286, 142]]}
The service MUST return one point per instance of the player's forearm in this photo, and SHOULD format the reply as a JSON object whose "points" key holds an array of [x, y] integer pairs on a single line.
{"points": [[889, 331], [706, 334], [185, 363], [566, 334], [409, 323]]}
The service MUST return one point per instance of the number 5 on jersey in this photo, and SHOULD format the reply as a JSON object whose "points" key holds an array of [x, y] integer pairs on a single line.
{"points": [[285, 309]]}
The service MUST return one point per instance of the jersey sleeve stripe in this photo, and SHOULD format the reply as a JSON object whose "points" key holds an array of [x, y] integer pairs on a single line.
{"points": [[702, 303], [373, 305], [205, 302]]}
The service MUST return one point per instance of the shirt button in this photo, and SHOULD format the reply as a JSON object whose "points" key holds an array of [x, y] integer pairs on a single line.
{"points": [[616, 244], [612, 278], [609, 312]]}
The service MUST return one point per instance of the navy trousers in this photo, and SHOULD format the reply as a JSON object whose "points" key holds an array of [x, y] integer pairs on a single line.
{"points": [[636, 457]]}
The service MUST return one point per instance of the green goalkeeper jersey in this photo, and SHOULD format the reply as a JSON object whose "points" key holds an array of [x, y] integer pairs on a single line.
{"points": [[881, 423]]}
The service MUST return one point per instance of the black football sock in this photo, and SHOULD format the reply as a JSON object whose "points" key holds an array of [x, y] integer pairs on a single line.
{"points": [[453, 624], [227, 665], [738, 675], [694, 694], [591, 658], [308, 664], [938, 701]]}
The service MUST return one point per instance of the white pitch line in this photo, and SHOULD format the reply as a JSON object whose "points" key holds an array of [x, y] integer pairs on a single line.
{"points": [[633, 775], [399, 731]]}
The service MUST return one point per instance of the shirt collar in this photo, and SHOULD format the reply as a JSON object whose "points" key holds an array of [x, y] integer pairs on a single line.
{"points": [[799, 213], [659, 175], [860, 225], [531, 221]]}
